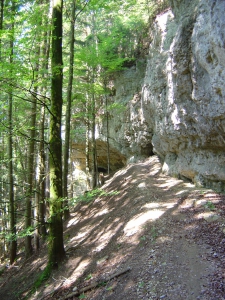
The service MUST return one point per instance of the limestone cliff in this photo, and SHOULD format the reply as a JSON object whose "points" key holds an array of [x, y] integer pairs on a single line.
{"points": [[174, 102]]}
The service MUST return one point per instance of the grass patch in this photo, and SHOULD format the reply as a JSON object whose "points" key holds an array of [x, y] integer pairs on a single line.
{"points": [[209, 205], [89, 196], [39, 281], [88, 277], [43, 276], [154, 233]]}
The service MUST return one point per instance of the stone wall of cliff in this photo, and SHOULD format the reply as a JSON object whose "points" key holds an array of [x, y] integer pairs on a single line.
{"points": [[174, 101]]}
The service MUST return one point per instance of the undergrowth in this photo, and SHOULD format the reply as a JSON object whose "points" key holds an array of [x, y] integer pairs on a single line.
{"points": [[39, 281], [89, 196], [43, 276]]}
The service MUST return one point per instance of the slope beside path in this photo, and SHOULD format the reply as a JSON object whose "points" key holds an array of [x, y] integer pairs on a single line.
{"points": [[166, 233]]}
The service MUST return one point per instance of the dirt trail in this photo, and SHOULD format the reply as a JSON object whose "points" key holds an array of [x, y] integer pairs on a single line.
{"points": [[170, 234]]}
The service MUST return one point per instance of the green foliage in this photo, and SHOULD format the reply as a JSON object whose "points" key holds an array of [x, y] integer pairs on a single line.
{"points": [[2, 270], [89, 277], [91, 195], [42, 277], [45, 274], [141, 284], [143, 238], [116, 108], [102, 283], [109, 36], [154, 233], [21, 234], [9, 236], [209, 205]]}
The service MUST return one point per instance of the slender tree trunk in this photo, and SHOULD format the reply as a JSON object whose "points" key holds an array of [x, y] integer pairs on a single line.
{"points": [[13, 241], [93, 146], [68, 112], [87, 146], [107, 130], [107, 140], [1, 22], [40, 183], [39, 210], [36, 223], [68, 107], [2, 146], [30, 196], [45, 50], [93, 106], [56, 247], [41, 178]]}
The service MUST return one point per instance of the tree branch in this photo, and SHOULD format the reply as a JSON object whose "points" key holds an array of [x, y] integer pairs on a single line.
{"points": [[96, 283]]}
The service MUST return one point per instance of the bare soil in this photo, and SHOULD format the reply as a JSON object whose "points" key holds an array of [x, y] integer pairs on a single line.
{"points": [[165, 234]]}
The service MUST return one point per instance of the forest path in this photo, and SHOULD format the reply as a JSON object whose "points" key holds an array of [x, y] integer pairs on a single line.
{"points": [[167, 232]]}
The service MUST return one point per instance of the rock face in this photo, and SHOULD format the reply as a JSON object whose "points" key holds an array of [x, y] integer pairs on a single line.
{"points": [[174, 103]]}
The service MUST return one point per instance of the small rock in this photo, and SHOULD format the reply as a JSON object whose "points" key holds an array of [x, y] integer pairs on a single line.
{"points": [[211, 218], [102, 260]]}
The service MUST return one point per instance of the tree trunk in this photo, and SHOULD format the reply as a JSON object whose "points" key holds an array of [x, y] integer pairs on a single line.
{"points": [[107, 130], [43, 186], [68, 113], [30, 196], [40, 186], [87, 146], [13, 242], [39, 210], [56, 247], [93, 147], [1, 22], [41, 179]]}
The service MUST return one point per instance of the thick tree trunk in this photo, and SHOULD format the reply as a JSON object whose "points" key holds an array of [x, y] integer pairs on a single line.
{"points": [[56, 247]]}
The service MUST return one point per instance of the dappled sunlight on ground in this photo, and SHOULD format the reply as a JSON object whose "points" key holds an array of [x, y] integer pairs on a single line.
{"points": [[79, 236], [72, 222], [147, 204], [169, 183], [78, 269], [134, 225], [102, 212], [181, 192], [109, 230], [153, 205], [164, 239], [147, 226]]}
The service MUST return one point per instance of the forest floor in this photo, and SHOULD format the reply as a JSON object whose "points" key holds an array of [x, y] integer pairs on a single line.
{"points": [[156, 238]]}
